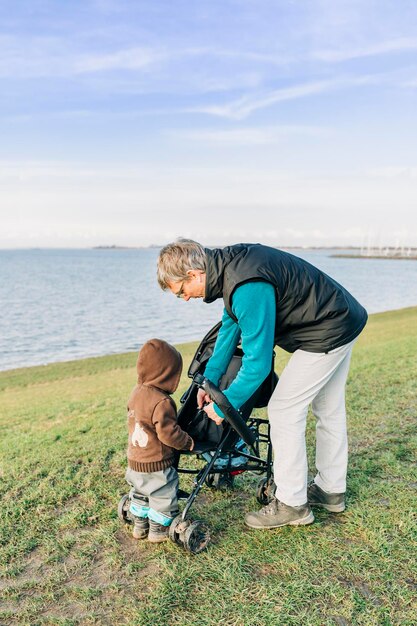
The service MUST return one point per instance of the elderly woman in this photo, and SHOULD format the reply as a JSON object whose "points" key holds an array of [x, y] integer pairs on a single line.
{"points": [[273, 298]]}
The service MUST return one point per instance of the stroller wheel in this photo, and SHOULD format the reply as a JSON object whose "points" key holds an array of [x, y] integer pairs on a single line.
{"points": [[193, 536], [196, 537], [123, 512], [222, 482], [210, 480], [265, 491]]}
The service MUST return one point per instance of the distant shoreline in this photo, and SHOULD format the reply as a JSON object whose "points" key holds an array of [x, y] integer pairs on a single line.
{"points": [[390, 254], [114, 247], [387, 257]]}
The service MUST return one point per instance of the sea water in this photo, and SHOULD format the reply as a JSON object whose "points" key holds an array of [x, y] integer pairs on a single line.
{"points": [[58, 305]]}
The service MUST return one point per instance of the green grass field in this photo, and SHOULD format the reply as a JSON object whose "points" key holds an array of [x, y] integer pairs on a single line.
{"points": [[66, 559]]}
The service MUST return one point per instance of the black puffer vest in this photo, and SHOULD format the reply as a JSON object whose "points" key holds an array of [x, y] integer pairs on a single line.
{"points": [[314, 313]]}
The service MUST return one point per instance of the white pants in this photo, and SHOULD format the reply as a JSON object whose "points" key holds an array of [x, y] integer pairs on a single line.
{"points": [[318, 379]]}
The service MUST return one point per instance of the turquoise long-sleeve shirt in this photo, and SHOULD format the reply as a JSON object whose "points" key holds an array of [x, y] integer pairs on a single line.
{"points": [[254, 306]]}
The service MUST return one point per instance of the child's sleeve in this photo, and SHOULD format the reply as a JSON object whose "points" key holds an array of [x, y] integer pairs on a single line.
{"points": [[167, 429]]}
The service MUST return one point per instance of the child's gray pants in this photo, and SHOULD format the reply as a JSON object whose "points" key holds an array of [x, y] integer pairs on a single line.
{"points": [[154, 494], [318, 379]]}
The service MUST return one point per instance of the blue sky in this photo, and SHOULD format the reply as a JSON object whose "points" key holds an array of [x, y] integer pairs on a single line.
{"points": [[132, 123]]}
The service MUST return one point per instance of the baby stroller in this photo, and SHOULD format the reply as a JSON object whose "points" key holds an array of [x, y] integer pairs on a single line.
{"points": [[227, 450]]}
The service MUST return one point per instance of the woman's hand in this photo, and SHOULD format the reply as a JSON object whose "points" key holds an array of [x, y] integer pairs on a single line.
{"points": [[211, 413], [202, 398]]}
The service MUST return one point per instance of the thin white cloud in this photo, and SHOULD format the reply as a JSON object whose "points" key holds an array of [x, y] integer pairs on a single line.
{"points": [[56, 56], [42, 56], [246, 136], [384, 47], [243, 107]]}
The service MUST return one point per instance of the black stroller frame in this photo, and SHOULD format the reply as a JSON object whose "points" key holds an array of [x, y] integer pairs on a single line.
{"points": [[249, 432], [219, 442]]}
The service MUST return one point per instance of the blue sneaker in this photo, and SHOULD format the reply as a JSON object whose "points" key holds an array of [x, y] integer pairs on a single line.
{"points": [[227, 460]]}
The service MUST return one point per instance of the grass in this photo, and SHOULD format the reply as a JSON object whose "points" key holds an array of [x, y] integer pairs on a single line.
{"points": [[66, 559]]}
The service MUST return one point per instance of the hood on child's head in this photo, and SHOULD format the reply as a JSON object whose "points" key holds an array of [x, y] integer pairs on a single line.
{"points": [[160, 365]]}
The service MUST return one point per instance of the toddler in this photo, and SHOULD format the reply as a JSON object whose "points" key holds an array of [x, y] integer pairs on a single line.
{"points": [[153, 435]]}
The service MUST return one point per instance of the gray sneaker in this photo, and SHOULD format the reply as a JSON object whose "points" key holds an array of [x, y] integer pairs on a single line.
{"points": [[276, 514], [333, 502], [157, 532], [140, 527]]}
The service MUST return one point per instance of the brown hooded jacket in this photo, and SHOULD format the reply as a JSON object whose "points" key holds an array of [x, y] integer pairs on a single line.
{"points": [[150, 406]]}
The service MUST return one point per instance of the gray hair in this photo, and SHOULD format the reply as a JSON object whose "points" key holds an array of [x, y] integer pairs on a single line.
{"points": [[177, 258]]}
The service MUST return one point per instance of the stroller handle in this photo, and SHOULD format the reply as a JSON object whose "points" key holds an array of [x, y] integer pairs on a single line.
{"points": [[232, 416]]}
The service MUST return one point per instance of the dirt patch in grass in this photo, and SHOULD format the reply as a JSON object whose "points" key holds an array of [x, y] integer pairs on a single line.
{"points": [[79, 589], [137, 553], [340, 621], [264, 571], [362, 588], [331, 520], [34, 570]]}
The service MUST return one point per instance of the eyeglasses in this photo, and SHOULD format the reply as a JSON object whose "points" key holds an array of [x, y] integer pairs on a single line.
{"points": [[180, 293]]}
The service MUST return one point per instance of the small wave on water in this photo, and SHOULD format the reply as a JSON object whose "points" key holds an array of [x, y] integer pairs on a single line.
{"points": [[59, 305]]}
